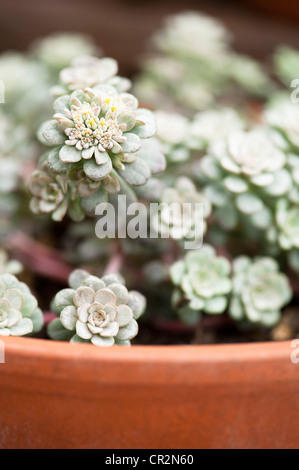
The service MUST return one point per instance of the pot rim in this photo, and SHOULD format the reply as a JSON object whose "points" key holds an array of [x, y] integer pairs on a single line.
{"points": [[193, 365]]}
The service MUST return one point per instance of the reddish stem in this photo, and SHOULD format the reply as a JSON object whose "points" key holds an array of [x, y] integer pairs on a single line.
{"points": [[49, 316], [114, 264], [39, 258]]}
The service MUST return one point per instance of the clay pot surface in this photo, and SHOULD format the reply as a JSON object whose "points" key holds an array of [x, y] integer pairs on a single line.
{"points": [[60, 395]]}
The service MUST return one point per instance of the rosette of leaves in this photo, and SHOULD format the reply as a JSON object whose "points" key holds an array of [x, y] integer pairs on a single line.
{"points": [[259, 292], [283, 116], [286, 64], [19, 312], [249, 75], [194, 35], [58, 50], [102, 133], [88, 71], [285, 230], [202, 281], [212, 125], [173, 132], [179, 217], [9, 266], [99, 311], [169, 84], [244, 175]]}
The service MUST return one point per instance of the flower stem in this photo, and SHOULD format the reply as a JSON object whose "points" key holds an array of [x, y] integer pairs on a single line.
{"points": [[115, 263], [38, 258]]}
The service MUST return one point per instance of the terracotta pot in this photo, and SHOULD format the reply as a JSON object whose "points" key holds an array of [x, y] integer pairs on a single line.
{"points": [[57, 395]]}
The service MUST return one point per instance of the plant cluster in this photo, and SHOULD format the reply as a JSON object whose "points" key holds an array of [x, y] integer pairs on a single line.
{"points": [[76, 132]]}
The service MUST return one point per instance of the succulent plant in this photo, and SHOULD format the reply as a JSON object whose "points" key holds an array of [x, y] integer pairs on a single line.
{"points": [[58, 50], [249, 75], [283, 115], [88, 71], [19, 312], [173, 131], [285, 230], [212, 125], [259, 292], [9, 266], [245, 173], [49, 194], [100, 311], [178, 217], [194, 35], [100, 130], [203, 281]]}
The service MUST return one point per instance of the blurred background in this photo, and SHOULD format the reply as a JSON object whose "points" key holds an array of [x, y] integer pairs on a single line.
{"points": [[122, 27]]}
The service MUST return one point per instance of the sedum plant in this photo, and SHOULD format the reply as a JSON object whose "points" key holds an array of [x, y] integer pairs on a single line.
{"points": [[82, 138], [96, 139], [245, 173], [202, 282], [97, 310], [19, 312], [178, 218], [259, 291], [193, 65]]}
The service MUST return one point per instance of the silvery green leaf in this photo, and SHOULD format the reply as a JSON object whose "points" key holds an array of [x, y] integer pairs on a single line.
{"points": [[90, 203], [122, 343], [75, 210], [93, 282], [262, 219], [177, 271], [51, 133], [128, 119], [56, 164], [61, 103], [137, 303], [77, 339], [151, 153], [271, 318], [125, 315], [216, 305], [263, 179], [82, 330], [128, 332], [147, 127], [97, 172], [68, 317], [112, 278], [235, 184], [249, 203], [132, 143], [15, 298], [236, 310], [69, 154], [65, 297], [98, 340], [57, 332], [196, 303], [136, 173], [281, 183], [29, 305], [37, 319], [23, 327], [121, 293]]}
